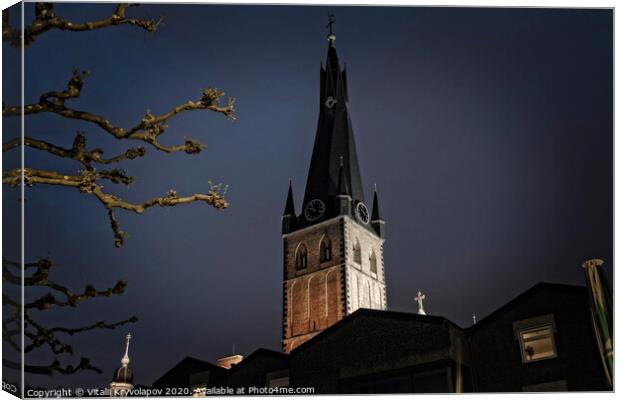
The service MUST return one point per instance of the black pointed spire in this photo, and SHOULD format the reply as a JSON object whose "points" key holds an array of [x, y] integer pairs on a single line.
{"points": [[334, 140], [376, 213], [289, 209]]}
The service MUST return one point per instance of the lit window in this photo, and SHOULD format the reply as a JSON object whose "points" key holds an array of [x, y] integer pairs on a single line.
{"points": [[537, 343]]}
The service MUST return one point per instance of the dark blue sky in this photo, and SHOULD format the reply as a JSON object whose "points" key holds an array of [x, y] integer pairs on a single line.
{"points": [[487, 131]]}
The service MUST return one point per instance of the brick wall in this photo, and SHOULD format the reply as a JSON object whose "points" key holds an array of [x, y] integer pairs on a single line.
{"points": [[314, 296]]}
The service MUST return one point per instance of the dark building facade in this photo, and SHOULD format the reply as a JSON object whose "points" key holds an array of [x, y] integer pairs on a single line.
{"points": [[542, 340], [374, 351], [185, 372], [263, 368]]}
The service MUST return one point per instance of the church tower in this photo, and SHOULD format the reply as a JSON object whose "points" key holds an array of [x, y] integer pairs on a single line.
{"points": [[333, 250]]}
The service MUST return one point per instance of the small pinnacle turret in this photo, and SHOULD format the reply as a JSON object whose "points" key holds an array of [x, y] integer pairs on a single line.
{"points": [[288, 217], [289, 209], [376, 213], [376, 220], [343, 199], [343, 188]]}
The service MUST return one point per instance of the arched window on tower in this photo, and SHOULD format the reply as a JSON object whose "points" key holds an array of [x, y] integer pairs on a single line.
{"points": [[373, 262], [357, 252], [301, 257], [325, 249]]}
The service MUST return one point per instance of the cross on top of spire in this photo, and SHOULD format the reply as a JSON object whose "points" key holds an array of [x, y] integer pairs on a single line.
{"points": [[330, 25]]}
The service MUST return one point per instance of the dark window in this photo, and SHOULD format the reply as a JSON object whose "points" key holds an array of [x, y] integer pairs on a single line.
{"points": [[325, 249], [357, 252], [301, 257], [373, 262]]}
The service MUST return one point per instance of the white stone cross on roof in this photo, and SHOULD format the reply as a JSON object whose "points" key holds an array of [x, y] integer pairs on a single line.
{"points": [[420, 298]]}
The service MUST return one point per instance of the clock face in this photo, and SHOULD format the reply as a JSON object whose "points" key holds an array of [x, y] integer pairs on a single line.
{"points": [[330, 102], [314, 209], [362, 212]]}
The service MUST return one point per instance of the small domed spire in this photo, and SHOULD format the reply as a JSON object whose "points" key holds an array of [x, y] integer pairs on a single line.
{"points": [[125, 359], [122, 380]]}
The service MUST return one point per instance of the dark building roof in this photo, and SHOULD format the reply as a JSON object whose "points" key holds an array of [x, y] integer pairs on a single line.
{"points": [[179, 375], [254, 370], [377, 315], [370, 347], [537, 288], [261, 352], [375, 351]]}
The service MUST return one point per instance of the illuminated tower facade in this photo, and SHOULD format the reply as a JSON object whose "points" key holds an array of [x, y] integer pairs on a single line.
{"points": [[333, 250]]}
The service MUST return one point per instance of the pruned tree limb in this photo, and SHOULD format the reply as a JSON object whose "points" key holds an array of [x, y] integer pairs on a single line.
{"points": [[52, 368], [46, 19], [41, 278], [77, 152], [96, 325], [147, 130], [38, 335], [87, 183]]}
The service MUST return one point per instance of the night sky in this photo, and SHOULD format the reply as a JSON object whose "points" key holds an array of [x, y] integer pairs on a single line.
{"points": [[487, 131]]}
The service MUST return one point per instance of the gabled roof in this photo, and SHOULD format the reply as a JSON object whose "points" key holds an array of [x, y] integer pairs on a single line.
{"points": [[187, 366], [261, 351], [539, 287], [379, 315]]}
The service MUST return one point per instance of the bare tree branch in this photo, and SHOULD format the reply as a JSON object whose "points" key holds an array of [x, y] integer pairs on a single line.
{"points": [[87, 183], [96, 325], [37, 334], [52, 368], [77, 152], [147, 130], [46, 19]]}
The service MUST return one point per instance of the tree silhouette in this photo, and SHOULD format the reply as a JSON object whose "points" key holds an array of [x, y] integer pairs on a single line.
{"points": [[87, 179]]}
